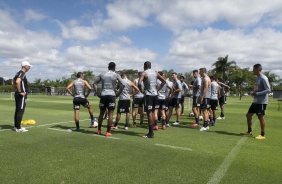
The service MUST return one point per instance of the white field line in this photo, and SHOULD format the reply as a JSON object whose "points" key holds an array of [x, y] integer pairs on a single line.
{"points": [[60, 123], [11, 128], [56, 129], [174, 147], [222, 169]]}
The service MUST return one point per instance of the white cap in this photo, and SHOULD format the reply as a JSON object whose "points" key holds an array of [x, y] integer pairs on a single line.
{"points": [[26, 63]]}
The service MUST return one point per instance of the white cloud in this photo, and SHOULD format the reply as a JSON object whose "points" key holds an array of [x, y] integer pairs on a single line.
{"points": [[195, 48], [31, 15]]}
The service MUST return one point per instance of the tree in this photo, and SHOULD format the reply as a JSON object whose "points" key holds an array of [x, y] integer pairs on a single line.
{"points": [[222, 67], [241, 77], [272, 78]]}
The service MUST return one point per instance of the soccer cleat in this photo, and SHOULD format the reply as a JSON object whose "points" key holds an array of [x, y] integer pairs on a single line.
{"points": [[108, 134], [204, 129], [167, 125], [182, 114], [148, 136], [163, 127], [114, 127], [99, 132], [201, 118], [212, 123], [125, 128], [249, 134], [194, 125], [260, 137], [20, 129], [219, 118], [176, 123], [156, 127], [77, 130], [134, 125]]}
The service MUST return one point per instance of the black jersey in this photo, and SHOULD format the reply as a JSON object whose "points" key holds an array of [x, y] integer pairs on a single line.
{"points": [[24, 86]]}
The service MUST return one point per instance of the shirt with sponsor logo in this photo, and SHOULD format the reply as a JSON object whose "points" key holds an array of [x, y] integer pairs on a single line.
{"points": [[261, 88], [79, 90], [150, 84], [24, 85]]}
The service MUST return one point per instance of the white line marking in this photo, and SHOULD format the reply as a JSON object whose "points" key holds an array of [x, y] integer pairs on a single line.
{"points": [[174, 147], [60, 123], [96, 135], [220, 172], [12, 128], [60, 130]]}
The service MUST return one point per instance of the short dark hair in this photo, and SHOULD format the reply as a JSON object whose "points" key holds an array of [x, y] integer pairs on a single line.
{"points": [[182, 76], [212, 78], [112, 66], [161, 73], [78, 75], [147, 64], [174, 73], [195, 71], [204, 69], [258, 66], [123, 75]]}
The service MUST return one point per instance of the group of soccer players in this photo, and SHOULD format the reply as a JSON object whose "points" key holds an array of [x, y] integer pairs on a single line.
{"points": [[156, 93]]}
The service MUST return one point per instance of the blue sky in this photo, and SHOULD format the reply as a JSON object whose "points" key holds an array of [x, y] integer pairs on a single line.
{"points": [[60, 37]]}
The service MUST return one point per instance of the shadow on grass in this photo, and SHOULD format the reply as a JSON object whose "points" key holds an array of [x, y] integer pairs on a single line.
{"points": [[226, 133], [6, 126]]}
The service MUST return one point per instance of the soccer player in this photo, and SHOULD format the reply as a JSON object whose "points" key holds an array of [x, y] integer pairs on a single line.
{"points": [[204, 98], [183, 93], [80, 98], [138, 102], [168, 99], [124, 101], [149, 78], [161, 103], [108, 95], [222, 98], [260, 94], [196, 93], [176, 97], [21, 90], [215, 88]]}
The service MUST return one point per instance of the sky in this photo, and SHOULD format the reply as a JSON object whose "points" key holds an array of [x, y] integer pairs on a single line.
{"points": [[59, 37]]}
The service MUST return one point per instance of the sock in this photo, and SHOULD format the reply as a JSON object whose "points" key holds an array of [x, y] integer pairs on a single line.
{"points": [[197, 120], [77, 124], [262, 133], [210, 118], [151, 130], [221, 114], [116, 124], [108, 128], [126, 124], [155, 123], [99, 126], [205, 124], [141, 122], [214, 120], [249, 129], [159, 118], [92, 117], [163, 122]]}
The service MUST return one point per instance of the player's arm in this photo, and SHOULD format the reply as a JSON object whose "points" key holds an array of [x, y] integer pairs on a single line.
{"points": [[266, 87], [134, 88], [95, 83], [18, 86], [205, 88], [141, 78], [69, 86], [170, 90], [121, 85], [218, 91], [222, 84], [88, 87], [186, 89], [162, 80]]}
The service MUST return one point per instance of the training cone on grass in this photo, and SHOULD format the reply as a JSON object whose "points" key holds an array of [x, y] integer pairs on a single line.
{"points": [[28, 122]]}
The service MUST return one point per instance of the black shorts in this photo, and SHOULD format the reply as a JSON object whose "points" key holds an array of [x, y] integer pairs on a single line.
{"points": [[138, 102], [206, 103], [161, 104], [150, 103], [77, 101], [214, 104], [221, 100], [182, 99], [175, 102], [195, 102], [108, 102], [259, 109], [123, 106], [167, 103]]}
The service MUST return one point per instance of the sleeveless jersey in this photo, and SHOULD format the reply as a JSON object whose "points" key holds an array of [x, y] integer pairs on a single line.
{"points": [[139, 94], [162, 92], [208, 94], [196, 90], [214, 91], [109, 82], [125, 94], [177, 85], [79, 88], [167, 90], [150, 85], [184, 88]]}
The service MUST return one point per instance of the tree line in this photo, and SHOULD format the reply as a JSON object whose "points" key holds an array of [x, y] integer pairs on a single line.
{"points": [[239, 79]]}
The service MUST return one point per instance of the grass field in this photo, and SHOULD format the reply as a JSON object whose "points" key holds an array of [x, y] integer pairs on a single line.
{"points": [[180, 154]]}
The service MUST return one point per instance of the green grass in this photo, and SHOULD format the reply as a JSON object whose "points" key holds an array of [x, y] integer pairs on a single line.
{"points": [[43, 155]]}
